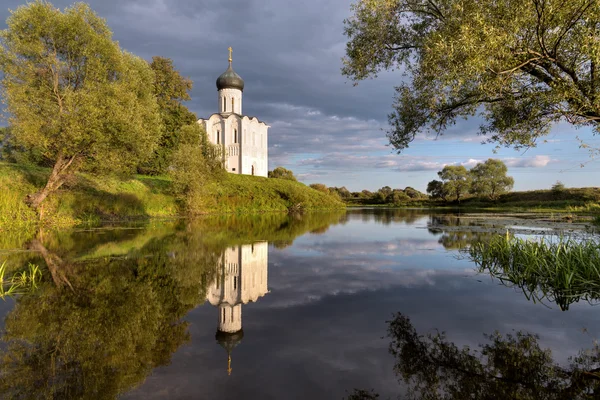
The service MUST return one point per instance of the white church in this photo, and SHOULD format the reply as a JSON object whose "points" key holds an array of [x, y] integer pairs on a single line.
{"points": [[241, 278], [243, 139]]}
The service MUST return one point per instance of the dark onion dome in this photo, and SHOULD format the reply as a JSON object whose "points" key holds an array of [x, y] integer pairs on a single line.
{"points": [[229, 340], [230, 80]]}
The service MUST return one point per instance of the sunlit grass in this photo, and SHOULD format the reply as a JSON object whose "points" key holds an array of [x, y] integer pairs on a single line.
{"points": [[20, 282], [563, 270]]}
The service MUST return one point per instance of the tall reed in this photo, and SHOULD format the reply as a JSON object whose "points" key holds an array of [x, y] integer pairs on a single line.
{"points": [[563, 270], [20, 282]]}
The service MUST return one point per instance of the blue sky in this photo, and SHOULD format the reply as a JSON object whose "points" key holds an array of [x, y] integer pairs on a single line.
{"points": [[322, 127]]}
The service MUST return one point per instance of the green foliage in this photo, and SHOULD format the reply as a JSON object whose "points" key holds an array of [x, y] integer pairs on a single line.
{"points": [[341, 192], [282, 173], [320, 187], [170, 89], [489, 179], [195, 163], [243, 193], [19, 283], [414, 193], [73, 96], [398, 197], [563, 271], [521, 66], [456, 180], [558, 187], [436, 190]]}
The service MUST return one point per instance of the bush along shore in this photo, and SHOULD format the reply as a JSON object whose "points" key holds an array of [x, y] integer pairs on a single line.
{"points": [[92, 200]]}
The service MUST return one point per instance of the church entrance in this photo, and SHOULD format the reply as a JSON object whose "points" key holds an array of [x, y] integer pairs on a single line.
{"points": [[253, 170]]}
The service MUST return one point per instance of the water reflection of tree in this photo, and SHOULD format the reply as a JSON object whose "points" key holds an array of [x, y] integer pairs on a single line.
{"points": [[387, 216], [110, 306], [101, 335], [511, 366], [453, 236]]}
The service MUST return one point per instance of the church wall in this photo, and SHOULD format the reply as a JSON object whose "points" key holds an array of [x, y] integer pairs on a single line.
{"points": [[225, 105], [230, 318], [255, 148]]}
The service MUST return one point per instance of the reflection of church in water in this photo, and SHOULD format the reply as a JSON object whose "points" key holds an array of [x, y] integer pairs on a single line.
{"points": [[241, 278]]}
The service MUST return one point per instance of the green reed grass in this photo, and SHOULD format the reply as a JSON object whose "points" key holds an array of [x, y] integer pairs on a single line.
{"points": [[19, 283], [562, 270]]}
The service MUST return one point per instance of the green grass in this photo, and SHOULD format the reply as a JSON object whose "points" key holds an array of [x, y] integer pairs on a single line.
{"points": [[20, 282], [561, 270], [91, 200], [247, 194]]}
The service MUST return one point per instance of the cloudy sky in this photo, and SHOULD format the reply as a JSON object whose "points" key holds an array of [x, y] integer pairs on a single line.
{"points": [[322, 127]]}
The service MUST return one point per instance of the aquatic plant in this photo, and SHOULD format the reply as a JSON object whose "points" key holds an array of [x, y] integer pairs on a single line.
{"points": [[20, 282], [563, 270]]}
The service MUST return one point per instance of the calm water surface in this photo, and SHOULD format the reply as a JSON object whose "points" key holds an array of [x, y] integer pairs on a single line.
{"points": [[142, 313]]}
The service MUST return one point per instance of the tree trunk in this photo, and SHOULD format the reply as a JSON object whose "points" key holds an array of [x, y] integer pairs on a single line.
{"points": [[54, 263], [55, 181]]}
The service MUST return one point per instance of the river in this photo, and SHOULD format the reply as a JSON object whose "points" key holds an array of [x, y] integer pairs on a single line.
{"points": [[272, 307]]}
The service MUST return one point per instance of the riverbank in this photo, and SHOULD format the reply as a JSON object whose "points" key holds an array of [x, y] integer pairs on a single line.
{"points": [[568, 200], [92, 200]]}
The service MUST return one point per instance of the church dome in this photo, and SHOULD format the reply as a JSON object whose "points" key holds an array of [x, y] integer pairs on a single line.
{"points": [[229, 340], [230, 80]]}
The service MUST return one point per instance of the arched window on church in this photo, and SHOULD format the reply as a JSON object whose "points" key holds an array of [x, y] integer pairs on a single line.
{"points": [[223, 315], [224, 104], [218, 137], [235, 140], [232, 104]]}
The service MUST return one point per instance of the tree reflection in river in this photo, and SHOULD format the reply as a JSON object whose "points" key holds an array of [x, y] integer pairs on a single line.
{"points": [[511, 366], [103, 333], [111, 303], [456, 232]]}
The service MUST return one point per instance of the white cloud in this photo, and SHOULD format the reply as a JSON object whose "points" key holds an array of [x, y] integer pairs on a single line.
{"points": [[539, 161]]}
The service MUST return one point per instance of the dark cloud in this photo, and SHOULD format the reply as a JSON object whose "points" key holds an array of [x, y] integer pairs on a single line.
{"points": [[288, 53]]}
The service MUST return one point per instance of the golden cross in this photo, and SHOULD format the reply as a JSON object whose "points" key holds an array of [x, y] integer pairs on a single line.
{"points": [[230, 51]]}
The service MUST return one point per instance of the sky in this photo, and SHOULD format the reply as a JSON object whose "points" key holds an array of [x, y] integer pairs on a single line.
{"points": [[323, 128]]}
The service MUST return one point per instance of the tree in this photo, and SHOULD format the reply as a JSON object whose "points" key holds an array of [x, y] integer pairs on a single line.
{"points": [[170, 89], [520, 65], [282, 173], [73, 95], [398, 197], [456, 180], [558, 187], [320, 187], [194, 163], [489, 179], [435, 189], [413, 193], [342, 192]]}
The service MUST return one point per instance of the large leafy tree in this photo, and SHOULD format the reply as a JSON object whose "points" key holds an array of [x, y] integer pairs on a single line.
{"points": [[436, 189], [456, 180], [521, 65], [171, 90], [490, 179], [282, 173], [73, 95]]}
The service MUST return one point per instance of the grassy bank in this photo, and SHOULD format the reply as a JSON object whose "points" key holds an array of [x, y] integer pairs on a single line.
{"points": [[572, 200], [91, 200]]}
